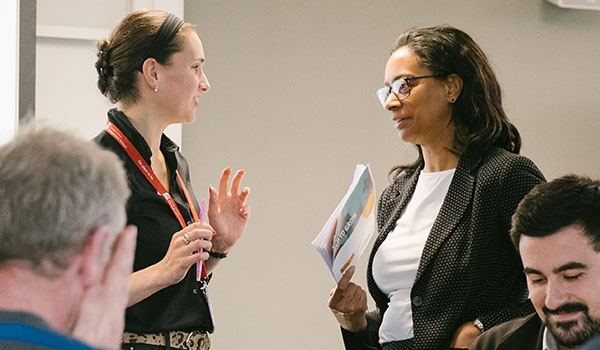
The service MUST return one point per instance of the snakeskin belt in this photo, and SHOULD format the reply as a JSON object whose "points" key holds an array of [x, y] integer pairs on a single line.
{"points": [[194, 340]]}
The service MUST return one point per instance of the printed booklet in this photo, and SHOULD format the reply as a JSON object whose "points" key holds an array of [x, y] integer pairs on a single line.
{"points": [[349, 229]]}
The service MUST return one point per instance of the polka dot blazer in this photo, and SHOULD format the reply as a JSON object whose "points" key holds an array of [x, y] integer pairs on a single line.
{"points": [[469, 268]]}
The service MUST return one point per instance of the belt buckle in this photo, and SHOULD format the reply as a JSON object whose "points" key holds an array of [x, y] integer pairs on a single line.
{"points": [[188, 341]]}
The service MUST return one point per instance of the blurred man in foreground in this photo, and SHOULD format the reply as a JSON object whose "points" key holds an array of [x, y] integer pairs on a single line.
{"points": [[65, 256]]}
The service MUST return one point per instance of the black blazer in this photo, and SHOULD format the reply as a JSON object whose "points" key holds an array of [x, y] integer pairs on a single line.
{"points": [[469, 268]]}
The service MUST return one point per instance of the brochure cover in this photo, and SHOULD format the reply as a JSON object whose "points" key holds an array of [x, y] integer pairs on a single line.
{"points": [[348, 230]]}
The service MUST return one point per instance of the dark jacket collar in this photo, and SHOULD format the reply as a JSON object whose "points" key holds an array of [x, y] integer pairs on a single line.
{"points": [[469, 160], [527, 333], [120, 120], [402, 190]]}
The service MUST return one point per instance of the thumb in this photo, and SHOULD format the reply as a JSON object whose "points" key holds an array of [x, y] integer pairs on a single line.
{"points": [[345, 280], [338, 293]]}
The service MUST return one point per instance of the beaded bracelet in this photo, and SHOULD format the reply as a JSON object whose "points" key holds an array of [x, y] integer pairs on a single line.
{"points": [[217, 254]]}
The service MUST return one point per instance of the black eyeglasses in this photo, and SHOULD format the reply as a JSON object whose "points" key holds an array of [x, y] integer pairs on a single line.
{"points": [[400, 87]]}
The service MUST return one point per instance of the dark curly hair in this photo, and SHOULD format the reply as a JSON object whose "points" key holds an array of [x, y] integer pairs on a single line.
{"points": [[478, 116], [569, 200], [123, 53]]}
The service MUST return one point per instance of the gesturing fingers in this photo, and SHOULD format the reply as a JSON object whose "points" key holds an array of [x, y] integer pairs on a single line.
{"points": [[212, 202], [245, 212], [237, 179], [244, 194], [223, 181]]}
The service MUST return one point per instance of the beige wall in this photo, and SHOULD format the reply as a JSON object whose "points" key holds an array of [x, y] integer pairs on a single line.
{"points": [[293, 103]]}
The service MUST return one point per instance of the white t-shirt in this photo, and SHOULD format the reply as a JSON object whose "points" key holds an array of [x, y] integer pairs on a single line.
{"points": [[397, 259]]}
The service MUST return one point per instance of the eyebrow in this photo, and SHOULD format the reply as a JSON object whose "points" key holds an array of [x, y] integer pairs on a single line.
{"points": [[568, 266], [529, 271]]}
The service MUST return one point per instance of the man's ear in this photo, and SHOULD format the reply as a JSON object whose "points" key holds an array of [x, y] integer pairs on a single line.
{"points": [[93, 259], [454, 84]]}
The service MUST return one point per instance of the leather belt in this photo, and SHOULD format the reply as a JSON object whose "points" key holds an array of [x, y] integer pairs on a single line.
{"points": [[194, 340]]}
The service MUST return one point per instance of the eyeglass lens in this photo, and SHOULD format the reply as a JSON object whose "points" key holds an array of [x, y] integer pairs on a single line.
{"points": [[399, 87]]}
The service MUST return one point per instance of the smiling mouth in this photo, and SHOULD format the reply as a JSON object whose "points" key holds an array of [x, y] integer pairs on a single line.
{"points": [[400, 121]]}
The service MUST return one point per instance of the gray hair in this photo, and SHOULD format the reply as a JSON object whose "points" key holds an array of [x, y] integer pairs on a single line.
{"points": [[55, 191]]}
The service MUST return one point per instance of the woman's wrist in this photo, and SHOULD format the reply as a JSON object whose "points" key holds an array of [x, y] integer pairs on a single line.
{"points": [[351, 322], [145, 282], [161, 275], [219, 246], [355, 326]]}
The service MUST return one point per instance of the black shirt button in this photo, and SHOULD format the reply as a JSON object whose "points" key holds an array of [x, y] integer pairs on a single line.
{"points": [[195, 291], [417, 301]]}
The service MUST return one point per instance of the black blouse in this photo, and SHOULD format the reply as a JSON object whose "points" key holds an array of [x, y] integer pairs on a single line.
{"points": [[183, 306]]}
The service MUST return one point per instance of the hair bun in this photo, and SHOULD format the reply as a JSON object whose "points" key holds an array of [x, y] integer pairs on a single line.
{"points": [[103, 67]]}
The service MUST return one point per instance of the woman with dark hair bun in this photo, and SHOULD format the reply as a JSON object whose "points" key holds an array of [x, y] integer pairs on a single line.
{"points": [[442, 269], [152, 67]]}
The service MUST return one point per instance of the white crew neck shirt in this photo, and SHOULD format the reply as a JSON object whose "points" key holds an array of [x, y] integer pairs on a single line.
{"points": [[397, 259]]}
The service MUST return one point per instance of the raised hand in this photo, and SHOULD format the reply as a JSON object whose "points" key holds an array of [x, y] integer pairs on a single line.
{"points": [[102, 313], [348, 303], [227, 211]]}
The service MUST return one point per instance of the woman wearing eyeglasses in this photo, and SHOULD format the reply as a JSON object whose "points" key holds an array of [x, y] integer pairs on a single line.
{"points": [[443, 268], [152, 67]]}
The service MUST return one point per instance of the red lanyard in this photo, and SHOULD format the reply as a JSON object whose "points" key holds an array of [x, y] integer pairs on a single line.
{"points": [[136, 157]]}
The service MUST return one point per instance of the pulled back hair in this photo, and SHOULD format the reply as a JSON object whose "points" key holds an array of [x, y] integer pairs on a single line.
{"points": [[121, 56], [569, 200], [478, 116]]}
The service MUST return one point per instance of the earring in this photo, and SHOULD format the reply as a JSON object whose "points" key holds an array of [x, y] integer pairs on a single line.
{"points": [[156, 88], [451, 100]]}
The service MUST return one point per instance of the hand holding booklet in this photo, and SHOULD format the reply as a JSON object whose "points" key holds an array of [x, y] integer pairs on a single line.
{"points": [[350, 227]]}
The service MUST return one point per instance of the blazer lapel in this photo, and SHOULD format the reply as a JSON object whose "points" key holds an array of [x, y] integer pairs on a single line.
{"points": [[398, 201], [458, 198]]}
